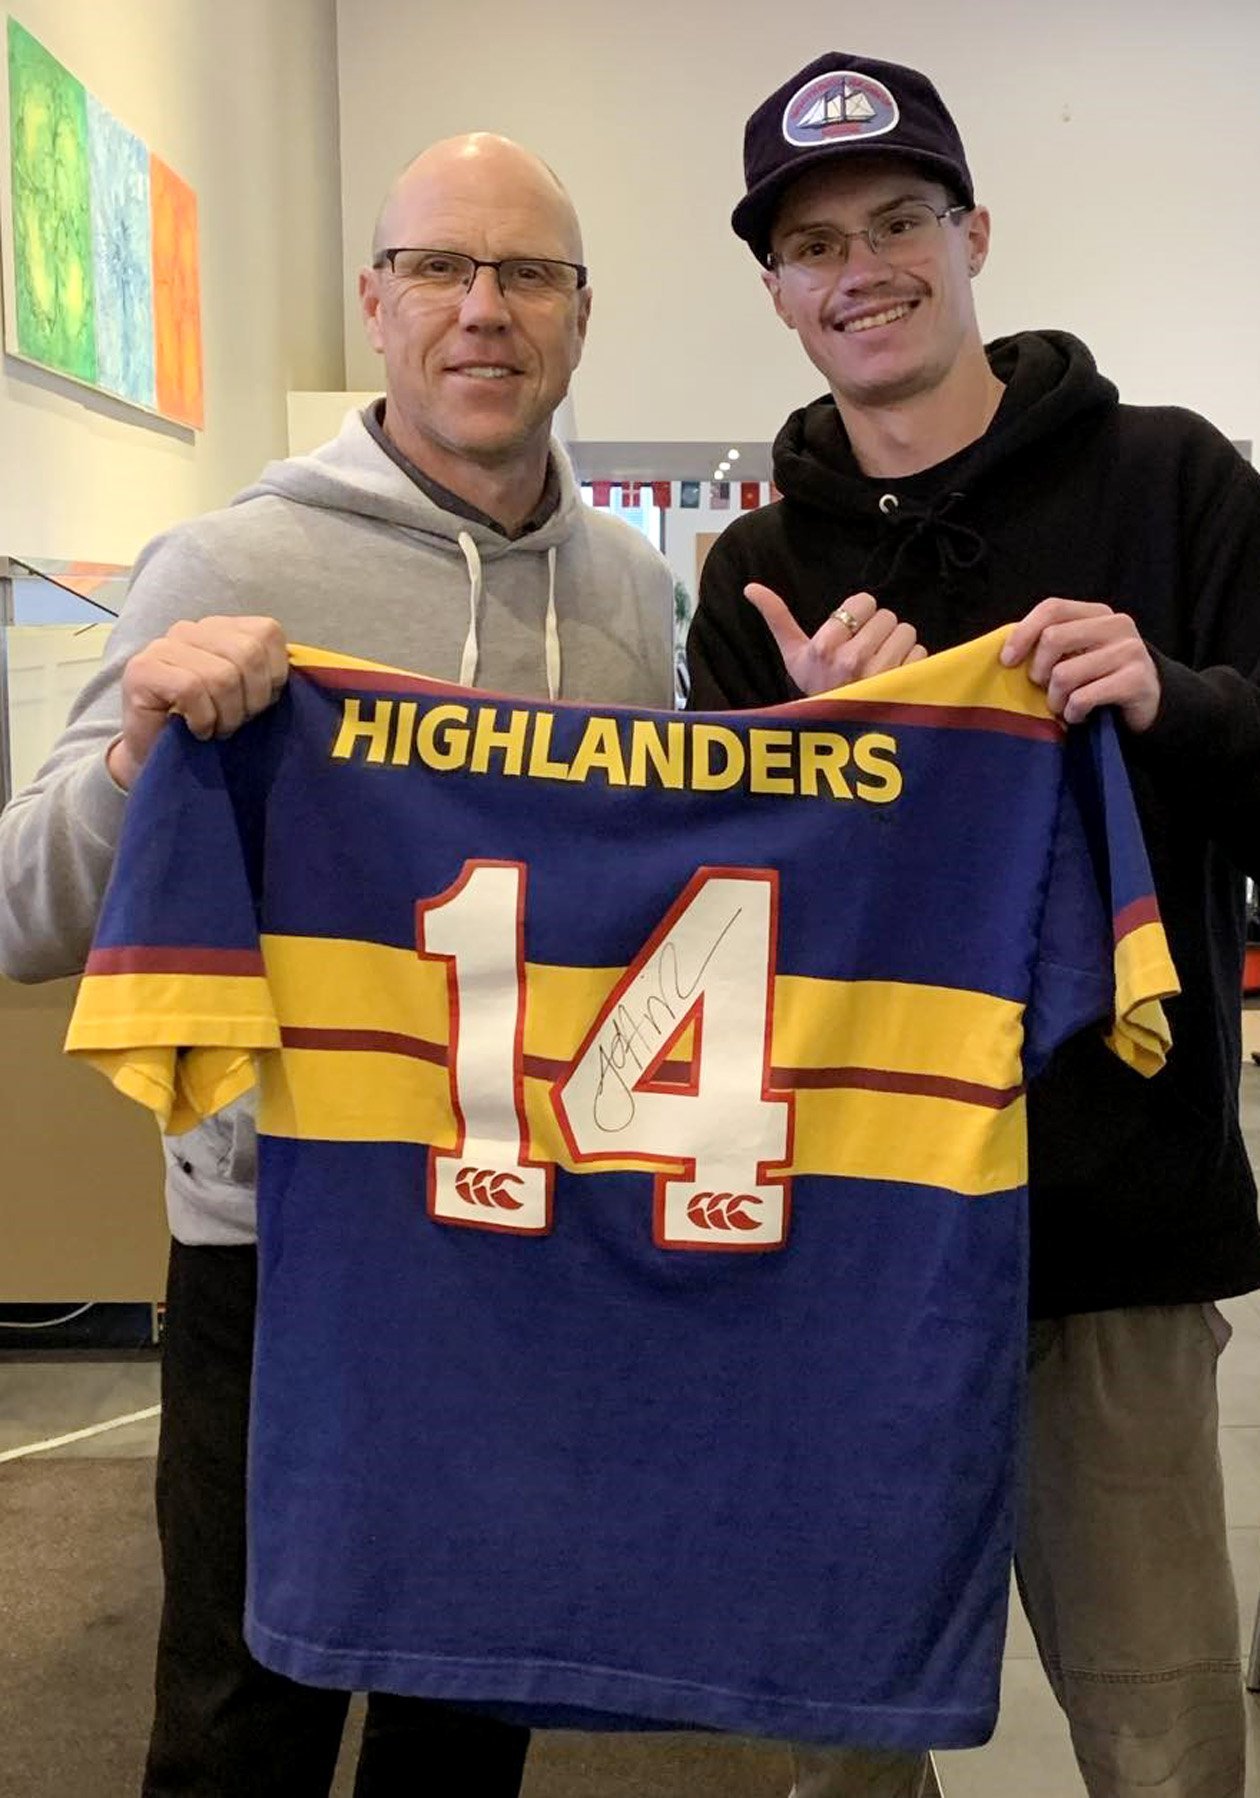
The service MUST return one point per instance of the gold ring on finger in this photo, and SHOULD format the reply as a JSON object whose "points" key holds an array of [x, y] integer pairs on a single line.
{"points": [[846, 618]]}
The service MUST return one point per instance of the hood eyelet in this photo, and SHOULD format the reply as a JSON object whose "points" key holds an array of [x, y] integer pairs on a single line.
{"points": [[888, 502]]}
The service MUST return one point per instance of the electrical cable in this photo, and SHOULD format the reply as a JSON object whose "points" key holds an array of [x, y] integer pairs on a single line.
{"points": [[48, 1323]]}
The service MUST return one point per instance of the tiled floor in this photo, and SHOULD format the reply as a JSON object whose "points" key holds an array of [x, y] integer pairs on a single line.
{"points": [[1028, 1757]]}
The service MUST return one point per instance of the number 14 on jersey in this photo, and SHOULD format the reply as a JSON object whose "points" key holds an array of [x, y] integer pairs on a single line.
{"points": [[672, 1074]]}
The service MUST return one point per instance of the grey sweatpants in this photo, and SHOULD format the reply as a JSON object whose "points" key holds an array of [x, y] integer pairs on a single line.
{"points": [[1121, 1562]]}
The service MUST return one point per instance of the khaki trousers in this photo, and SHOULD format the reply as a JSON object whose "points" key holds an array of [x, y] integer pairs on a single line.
{"points": [[1121, 1563]]}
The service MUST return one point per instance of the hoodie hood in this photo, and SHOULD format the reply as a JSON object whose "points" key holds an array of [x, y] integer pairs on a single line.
{"points": [[929, 526], [1051, 383], [351, 475]]}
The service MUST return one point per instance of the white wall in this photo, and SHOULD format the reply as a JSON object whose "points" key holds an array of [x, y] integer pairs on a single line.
{"points": [[1116, 141], [240, 97]]}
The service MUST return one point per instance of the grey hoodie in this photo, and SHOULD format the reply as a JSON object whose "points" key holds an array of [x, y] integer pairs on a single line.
{"points": [[348, 553]]}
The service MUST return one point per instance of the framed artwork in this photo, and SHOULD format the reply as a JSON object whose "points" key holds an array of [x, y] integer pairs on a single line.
{"points": [[99, 240]]}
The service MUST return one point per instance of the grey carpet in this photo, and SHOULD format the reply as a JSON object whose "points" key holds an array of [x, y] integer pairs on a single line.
{"points": [[79, 1597]]}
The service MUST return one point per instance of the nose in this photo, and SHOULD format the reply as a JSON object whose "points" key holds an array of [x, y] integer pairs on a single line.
{"points": [[483, 306], [861, 260]]}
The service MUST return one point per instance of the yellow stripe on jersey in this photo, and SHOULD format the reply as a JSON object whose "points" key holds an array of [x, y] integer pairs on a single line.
{"points": [[175, 1009], [218, 1021], [179, 1089], [970, 676], [392, 1083], [902, 1136], [1143, 967]]}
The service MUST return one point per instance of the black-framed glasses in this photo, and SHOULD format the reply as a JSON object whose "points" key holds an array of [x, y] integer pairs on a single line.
{"points": [[443, 273], [820, 253]]}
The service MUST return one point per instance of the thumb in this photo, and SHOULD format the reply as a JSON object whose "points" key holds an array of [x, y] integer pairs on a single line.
{"points": [[786, 632]]}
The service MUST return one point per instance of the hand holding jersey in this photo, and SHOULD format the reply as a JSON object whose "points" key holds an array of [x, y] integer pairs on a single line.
{"points": [[214, 673], [1086, 655], [1083, 653], [860, 638]]}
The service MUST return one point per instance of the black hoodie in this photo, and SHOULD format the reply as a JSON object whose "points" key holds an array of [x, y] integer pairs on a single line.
{"points": [[1141, 1191]]}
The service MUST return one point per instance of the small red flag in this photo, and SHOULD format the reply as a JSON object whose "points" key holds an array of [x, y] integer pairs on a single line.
{"points": [[749, 495], [601, 492], [630, 494], [661, 493]]}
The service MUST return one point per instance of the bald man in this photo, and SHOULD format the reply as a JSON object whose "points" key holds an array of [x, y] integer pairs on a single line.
{"points": [[441, 530]]}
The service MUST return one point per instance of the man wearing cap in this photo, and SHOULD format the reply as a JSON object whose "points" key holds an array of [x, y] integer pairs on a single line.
{"points": [[941, 488]]}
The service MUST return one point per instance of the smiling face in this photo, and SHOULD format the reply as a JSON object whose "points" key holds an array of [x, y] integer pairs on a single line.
{"points": [[472, 378], [881, 328]]}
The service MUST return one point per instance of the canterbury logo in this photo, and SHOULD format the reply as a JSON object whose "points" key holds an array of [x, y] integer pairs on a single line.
{"points": [[722, 1211], [482, 1186]]}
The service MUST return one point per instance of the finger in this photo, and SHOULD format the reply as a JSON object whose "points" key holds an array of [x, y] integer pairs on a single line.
{"points": [[849, 617], [789, 638], [255, 643], [1111, 689], [1023, 635], [895, 650], [275, 647], [1111, 634], [1131, 677], [250, 652], [918, 654], [203, 688], [255, 647], [874, 634]]}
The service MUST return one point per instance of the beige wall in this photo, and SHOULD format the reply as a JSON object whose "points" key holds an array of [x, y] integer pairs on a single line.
{"points": [[240, 97], [1117, 145]]}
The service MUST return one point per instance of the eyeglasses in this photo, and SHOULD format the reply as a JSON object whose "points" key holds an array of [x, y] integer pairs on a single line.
{"points": [[440, 274], [894, 236]]}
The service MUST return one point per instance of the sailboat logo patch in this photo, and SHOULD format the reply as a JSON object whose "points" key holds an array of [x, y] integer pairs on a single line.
{"points": [[836, 106]]}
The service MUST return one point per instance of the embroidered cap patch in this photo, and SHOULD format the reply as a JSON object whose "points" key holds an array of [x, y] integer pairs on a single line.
{"points": [[840, 104]]}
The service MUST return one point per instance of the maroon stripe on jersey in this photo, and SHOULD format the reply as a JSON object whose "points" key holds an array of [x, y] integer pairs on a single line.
{"points": [[368, 681], [384, 1042], [134, 960], [934, 717], [886, 1080], [1133, 916], [676, 1073]]}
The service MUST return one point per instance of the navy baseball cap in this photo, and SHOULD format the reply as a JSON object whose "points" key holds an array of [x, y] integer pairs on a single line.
{"points": [[839, 105]]}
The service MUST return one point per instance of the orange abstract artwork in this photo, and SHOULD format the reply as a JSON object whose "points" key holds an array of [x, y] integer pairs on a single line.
{"points": [[176, 297]]}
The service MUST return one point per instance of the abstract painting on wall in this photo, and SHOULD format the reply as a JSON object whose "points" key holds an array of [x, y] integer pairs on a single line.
{"points": [[101, 277]]}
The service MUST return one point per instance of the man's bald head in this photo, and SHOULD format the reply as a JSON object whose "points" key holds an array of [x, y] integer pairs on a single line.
{"points": [[482, 168]]}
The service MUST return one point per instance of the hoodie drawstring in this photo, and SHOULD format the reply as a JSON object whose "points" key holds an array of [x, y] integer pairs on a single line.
{"points": [[957, 547], [468, 658], [551, 631]]}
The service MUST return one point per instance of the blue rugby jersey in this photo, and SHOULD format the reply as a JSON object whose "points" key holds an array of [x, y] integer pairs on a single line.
{"points": [[642, 1170]]}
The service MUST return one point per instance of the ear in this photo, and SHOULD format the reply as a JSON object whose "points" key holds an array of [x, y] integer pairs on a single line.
{"points": [[977, 227], [370, 306], [774, 287]]}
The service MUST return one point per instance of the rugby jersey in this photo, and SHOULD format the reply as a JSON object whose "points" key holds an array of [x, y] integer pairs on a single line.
{"points": [[642, 1212]]}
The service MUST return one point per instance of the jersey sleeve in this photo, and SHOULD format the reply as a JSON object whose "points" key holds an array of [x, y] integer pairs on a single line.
{"points": [[174, 1002], [1101, 956]]}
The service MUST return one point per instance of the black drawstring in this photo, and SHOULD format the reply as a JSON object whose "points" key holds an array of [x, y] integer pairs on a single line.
{"points": [[958, 548]]}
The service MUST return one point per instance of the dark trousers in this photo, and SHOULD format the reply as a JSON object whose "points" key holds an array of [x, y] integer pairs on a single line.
{"points": [[224, 1727]]}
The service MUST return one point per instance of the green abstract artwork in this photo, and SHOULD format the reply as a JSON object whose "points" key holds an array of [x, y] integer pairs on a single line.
{"points": [[52, 221]]}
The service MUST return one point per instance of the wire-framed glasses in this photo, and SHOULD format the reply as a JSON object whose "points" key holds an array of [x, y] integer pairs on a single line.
{"points": [[439, 274]]}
